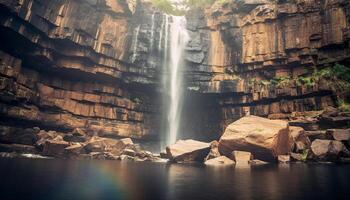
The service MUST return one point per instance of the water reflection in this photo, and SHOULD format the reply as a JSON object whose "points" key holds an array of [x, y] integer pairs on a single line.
{"points": [[55, 179]]}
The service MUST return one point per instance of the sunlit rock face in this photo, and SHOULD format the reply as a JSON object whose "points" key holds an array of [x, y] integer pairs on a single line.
{"points": [[66, 65], [238, 49], [99, 65]]}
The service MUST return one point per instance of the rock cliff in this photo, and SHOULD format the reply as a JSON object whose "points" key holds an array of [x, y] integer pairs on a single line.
{"points": [[98, 64]]}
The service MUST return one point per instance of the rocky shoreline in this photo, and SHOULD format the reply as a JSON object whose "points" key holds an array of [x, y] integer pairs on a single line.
{"points": [[250, 140]]}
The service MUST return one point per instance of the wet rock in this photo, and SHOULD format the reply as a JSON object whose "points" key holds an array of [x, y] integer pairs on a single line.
{"points": [[339, 134], [220, 161], [283, 158], [126, 158], [264, 138], [214, 150], [184, 151], [328, 149], [256, 162], [55, 148]]}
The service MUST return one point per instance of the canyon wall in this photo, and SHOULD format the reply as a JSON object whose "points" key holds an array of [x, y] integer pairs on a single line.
{"points": [[99, 64], [258, 56], [65, 65]]}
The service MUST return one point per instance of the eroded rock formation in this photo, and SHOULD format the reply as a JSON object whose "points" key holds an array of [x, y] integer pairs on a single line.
{"points": [[98, 64]]}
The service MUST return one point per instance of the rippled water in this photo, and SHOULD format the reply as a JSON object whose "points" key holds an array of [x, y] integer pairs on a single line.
{"points": [[59, 179]]}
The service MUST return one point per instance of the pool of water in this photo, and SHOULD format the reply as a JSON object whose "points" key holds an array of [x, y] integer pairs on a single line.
{"points": [[66, 179]]}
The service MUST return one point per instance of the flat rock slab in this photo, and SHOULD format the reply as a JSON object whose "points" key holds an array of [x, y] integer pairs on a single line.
{"points": [[188, 151], [264, 138], [220, 161]]}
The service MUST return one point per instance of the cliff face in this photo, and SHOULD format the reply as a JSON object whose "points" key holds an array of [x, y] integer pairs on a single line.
{"points": [[64, 64], [98, 64], [258, 55]]}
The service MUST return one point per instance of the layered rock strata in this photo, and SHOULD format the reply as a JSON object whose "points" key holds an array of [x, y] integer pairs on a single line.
{"points": [[98, 65]]}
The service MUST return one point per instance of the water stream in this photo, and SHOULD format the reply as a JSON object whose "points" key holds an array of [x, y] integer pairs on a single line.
{"points": [[178, 40]]}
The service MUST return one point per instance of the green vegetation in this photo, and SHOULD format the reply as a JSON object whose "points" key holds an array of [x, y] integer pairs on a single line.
{"points": [[343, 105], [170, 8], [337, 77], [304, 154]]}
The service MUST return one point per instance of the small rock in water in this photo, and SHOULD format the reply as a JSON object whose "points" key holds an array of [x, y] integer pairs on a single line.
{"points": [[256, 162], [242, 157], [283, 158], [220, 161]]}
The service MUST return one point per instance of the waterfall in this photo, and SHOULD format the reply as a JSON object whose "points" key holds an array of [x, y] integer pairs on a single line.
{"points": [[178, 37], [152, 31], [135, 41]]}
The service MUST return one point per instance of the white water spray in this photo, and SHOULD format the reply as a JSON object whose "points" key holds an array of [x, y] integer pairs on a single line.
{"points": [[152, 30], [178, 40], [135, 41]]}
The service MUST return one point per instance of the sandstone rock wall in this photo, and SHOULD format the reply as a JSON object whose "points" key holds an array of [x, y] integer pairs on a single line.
{"points": [[249, 44], [64, 64], [98, 64]]}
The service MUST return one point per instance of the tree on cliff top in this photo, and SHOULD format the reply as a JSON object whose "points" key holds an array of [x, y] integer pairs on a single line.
{"points": [[179, 7]]}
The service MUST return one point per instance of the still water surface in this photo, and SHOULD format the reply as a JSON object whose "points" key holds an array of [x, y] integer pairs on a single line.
{"points": [[62, 179]]}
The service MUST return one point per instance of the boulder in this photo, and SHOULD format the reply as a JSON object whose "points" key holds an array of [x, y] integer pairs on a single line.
{"points": [[297, 157], [55, 148], [330, 112], [339, 134], [264, 138], [78, 132], [74, 150], [122, 144], [313, 135], [74, 138], [301, 141], [44, 136], [220, 161], [214, 150], [99, 144], [242, 156], [129, 152], [283, 158], [309, 124], [188, 151], [329, 149]]}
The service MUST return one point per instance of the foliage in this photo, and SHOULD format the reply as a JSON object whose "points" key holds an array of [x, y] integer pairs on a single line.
{"points": [[282, 81], [182, 6], [343, 105], [304, 154]]}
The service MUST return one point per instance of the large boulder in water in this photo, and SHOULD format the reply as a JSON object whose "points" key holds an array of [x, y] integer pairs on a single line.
{"points": [[264, 138], [188, 151]]}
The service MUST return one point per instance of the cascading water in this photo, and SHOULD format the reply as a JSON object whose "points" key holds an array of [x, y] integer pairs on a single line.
{"points": [[178, 37], [135, 42]]}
